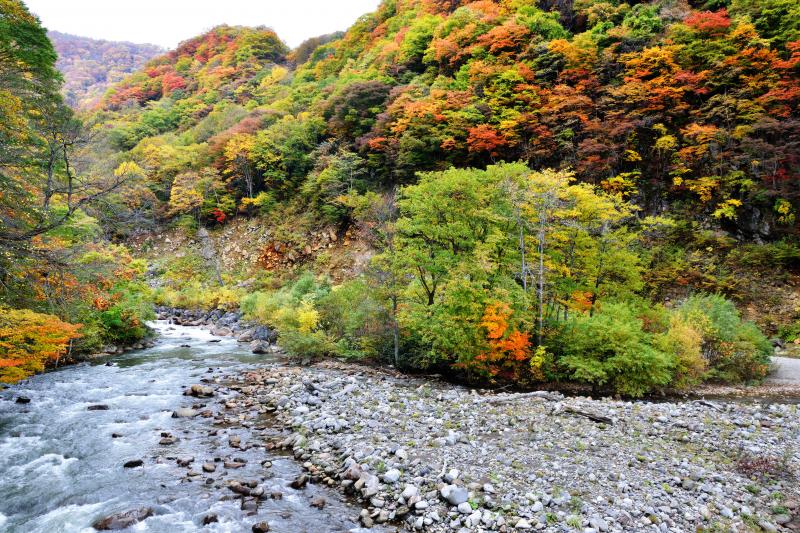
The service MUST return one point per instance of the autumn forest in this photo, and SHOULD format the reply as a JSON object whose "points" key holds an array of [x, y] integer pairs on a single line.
{"points": [[519, 193]]}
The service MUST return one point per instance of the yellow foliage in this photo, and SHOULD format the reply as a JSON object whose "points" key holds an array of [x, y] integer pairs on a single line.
{"points": [[307, 318]]}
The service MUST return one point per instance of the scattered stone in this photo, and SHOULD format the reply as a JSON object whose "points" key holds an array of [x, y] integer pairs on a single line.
{"points": [[133, 463], [454, 494], [391, 476], [210, 519]]}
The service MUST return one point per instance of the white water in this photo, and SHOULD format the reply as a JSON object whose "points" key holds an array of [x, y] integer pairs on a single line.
{"points": [[60, 469]]}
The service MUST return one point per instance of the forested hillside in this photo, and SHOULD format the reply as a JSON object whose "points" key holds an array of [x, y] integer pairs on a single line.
{"points": [[91, 66], [550, 191]]}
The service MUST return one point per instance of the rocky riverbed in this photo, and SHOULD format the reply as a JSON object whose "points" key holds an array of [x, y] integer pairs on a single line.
{"points": [[421, 455]]}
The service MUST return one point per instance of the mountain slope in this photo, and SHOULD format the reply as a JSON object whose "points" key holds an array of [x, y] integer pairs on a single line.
{"points": [[91, 66], [676, 107]]}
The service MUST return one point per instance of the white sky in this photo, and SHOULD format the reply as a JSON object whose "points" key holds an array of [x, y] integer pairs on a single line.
{"points": [[168, 22]]}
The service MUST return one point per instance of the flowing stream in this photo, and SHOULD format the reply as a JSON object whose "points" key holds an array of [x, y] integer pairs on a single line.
{"points": [[61, 469]]}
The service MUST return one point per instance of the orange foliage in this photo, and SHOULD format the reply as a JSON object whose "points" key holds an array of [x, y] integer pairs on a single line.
{"points": [[709, 22], [29, 340], [485, 138], [507, 348]]}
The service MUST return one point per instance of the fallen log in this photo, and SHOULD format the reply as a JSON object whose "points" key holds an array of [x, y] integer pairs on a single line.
{"points": [[594, 417], [539, 395]]}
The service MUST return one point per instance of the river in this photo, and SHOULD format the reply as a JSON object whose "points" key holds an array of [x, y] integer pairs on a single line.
{"points": [[61, 464]]}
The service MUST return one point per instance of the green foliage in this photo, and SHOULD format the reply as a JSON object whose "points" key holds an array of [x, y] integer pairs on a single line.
{"points": [[612, 349], [360, 323], [736, 350]]}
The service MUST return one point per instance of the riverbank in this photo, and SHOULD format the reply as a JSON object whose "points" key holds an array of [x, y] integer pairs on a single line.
{"points": [[437, 457], [262, 340]]}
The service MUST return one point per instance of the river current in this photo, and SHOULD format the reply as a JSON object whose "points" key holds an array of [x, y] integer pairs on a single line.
{"points": [[61, 464]]}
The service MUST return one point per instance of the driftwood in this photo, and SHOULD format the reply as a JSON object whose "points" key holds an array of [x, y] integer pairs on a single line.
{"points": [[600, 419], [539, 395]]}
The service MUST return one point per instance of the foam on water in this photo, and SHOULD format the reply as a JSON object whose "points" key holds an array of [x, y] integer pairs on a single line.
{"points": [[61, 470]]}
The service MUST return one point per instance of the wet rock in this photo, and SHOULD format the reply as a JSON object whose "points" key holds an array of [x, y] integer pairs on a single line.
{"points": [[259, 347], [100, 407], [318, 502], [200, 391], [184, 412], [133, 464], [250, 505], [299, 482], [210, 519], [116, 435], [209, 467], [185, 461], [123, 520], [22, 399], [261, 527], [235, 441]]}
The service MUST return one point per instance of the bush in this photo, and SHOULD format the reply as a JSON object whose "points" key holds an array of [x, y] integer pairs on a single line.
{"points": [[360, 323], [790, 332], [124, 321], [735, 350], [291, 310], [683, 342], [612, 350]]}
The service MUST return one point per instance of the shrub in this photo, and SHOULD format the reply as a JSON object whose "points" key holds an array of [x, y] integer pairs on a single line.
{"points": [[360, 323], [790, 332], [612, 349], [292, 311], [124, 321], [735, 350], [682, 341]]}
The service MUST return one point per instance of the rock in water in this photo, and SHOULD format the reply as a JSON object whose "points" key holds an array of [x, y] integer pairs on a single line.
{"points": [[201, 391], [299, 482], [261, 527], [184, 412], [259, 347], [133, 464], [22, 399], [318, 502], [97, 408], [123, 520]]}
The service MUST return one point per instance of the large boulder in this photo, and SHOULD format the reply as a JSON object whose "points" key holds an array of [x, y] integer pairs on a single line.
{"points": [[199, 391], [259, 347], [123, 520], [263, 333]]}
